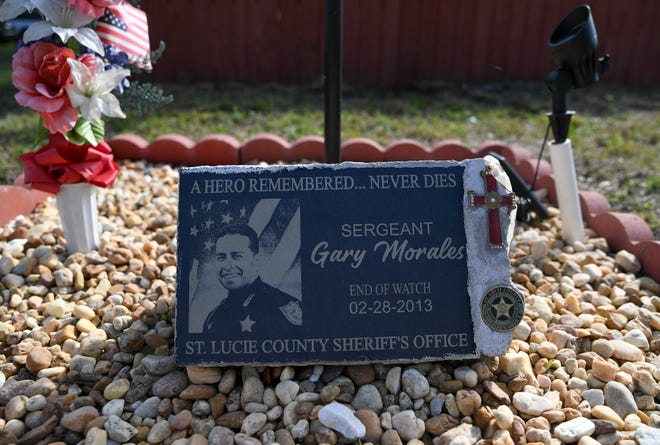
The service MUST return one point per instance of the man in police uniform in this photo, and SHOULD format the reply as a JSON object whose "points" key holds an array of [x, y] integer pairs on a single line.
{"points": [[251, 306]]}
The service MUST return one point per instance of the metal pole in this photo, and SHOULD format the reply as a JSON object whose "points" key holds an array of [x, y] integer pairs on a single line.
{"points": [[333, 43]]}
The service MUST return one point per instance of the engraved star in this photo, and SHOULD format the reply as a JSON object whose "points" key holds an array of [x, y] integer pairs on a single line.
{"points": [[193, 210], [194, 231], [208, 245], [502, 308], [243, 212], [208, 223], [227, 218], [246, 324], [209, 204]]}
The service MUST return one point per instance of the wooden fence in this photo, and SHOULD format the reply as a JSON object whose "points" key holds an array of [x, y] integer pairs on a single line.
{"points": [[393, 42]]}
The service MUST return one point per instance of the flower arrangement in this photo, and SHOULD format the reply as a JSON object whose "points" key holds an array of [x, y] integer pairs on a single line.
{"points": [[69, 68]]}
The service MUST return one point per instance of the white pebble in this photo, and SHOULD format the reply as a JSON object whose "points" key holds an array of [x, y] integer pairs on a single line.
{"points": [[408, 425], [467, 375], [341, 419], [572, 430], [56, 308]]}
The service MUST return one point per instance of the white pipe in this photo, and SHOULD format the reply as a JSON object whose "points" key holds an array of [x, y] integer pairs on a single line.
{"points": [[563, 169]]}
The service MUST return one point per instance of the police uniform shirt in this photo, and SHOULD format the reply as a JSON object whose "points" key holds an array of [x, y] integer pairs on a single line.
{"points": [[258, 309]]}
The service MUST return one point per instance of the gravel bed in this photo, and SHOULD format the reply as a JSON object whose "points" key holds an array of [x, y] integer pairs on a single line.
{"points": [[86, 350]]}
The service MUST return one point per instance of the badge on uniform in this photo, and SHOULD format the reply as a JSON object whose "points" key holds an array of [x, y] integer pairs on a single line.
{"points": [[293, 312]]}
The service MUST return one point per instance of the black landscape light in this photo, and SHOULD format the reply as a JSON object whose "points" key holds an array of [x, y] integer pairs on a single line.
{"points": [[574, 46]]}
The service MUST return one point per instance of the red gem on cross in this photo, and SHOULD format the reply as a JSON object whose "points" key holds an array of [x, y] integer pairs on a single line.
{"points": [[493, 201]]}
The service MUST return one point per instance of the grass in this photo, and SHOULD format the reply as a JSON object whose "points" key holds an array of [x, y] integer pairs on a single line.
{"points": [[615, 133]]}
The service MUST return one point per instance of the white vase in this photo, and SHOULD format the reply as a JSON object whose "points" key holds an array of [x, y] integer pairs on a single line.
{"points": [[79, 214]]}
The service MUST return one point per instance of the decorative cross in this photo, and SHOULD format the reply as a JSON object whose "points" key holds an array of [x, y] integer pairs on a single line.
{"points": [[493, 201]]}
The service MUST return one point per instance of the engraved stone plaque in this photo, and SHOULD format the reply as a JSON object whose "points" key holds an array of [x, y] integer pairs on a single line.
{"points": [[347, 263]]}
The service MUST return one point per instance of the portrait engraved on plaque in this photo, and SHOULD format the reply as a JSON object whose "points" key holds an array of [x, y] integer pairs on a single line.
{"points": [[247, 278]]}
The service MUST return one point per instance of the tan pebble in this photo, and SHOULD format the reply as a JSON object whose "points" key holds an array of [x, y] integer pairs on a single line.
{"points": [[547, 349], [77, 420], [116, 389], [159, 432], [51, 373], [78, 280], [540, 436], [502, 437], [625, 379], [85, 325], [604, 309], [15, 299], [156, 341], [645, 383], [645, 417], [49, 260], [467, 401], [537, 337], [203, 375], [37, 359], [645, 402], [82, 311], [197, 439], [482, 417], [540, 423], [182, 420], [616, 321], [141, 434], [606, 413], [16, 408], [603, 370], [603, 348], [99, 422], [197, 392], [512, 363], [96, 436], [572, 304], [632, 422], [588, 440], [29, 265], [450, 386], [626, 351], [71, 347], [554, 415], [627, 261]]}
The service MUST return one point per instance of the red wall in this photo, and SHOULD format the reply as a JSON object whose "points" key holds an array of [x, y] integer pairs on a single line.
{"points": [[393, 42]]}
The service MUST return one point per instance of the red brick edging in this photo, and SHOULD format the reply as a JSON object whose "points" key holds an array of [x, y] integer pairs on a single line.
{"points": [[622, 230]]}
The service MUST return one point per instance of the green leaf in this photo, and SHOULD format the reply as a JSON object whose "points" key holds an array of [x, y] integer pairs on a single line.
{"points": [[74, 137], [143, 98], [86, 132], [41, 135]]}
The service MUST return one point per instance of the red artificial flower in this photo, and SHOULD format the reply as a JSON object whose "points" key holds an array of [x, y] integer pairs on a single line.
{"points": [[61, 162], [40, 73]]}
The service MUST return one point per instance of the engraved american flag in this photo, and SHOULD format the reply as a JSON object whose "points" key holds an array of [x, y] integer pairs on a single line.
{"points": [[126, 27]]}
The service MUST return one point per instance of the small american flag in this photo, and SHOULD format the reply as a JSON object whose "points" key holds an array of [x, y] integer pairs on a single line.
{"points": [[125, 27]]}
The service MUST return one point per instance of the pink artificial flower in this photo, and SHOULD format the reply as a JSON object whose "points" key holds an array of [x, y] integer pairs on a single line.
{"points": [[40, 73], [61, 162], [93, 8], [90, 61]]}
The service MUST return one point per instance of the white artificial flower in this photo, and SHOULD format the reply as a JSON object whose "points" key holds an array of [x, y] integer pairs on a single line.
{"points": [[63, 19], [91, 93], [10, 9]]}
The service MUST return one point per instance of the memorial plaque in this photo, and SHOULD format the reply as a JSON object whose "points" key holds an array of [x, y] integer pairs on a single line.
{"points": [[347, 263]]}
